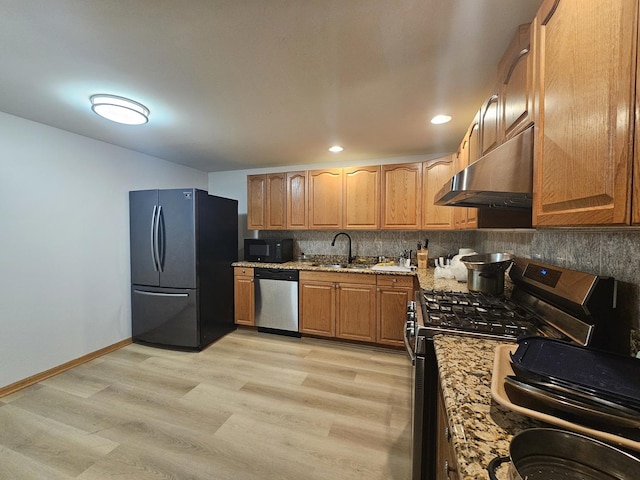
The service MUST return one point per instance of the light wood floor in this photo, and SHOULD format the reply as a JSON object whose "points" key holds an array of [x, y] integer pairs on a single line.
{"points": [[251, 406]]}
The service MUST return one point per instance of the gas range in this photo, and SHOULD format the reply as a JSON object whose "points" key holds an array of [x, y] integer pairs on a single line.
{"points": [[546, 300]]}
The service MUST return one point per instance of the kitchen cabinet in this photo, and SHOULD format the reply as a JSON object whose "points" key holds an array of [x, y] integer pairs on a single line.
{"points": [[276, 201], [515, 74], [338, 305], [256, 202], [489, 124], [243, 296], [446, 468], [394, 292], [401, 196], [325, 199], [362, 198], [297, 200], [266, 202], [585, 67], [435, 173], [468, 152]]}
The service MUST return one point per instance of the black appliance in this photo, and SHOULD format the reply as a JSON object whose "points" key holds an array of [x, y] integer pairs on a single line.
{"points": [[183, 242], [546, 300], [268, 250]]}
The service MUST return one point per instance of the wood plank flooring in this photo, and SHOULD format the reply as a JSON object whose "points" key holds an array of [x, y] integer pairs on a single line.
{"points": [[251, 406]]}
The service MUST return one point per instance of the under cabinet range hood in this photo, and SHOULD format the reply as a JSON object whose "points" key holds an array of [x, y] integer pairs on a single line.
{"points": [[503, 178]]}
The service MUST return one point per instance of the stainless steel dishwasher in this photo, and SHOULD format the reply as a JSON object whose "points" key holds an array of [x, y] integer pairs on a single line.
{"points": [[276, 300]]}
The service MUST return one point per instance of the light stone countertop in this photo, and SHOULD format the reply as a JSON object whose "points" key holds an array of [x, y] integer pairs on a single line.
{"points": [[482, 429]]}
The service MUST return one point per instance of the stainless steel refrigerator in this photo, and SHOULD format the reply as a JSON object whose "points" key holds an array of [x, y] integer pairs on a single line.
{"points": [[183, 242]]}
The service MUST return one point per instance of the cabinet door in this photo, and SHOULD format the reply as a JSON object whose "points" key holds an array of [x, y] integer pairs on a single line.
{"points": [[435, 173], [446, 465], [489, 124], [297, 201], [325, 199], [256, 202], [243, 296], [317, 308], [401, 196], [585, 58], [356, 312], [515, 74], [362, 198], [276, 201], [461, 162], [393, 295]]}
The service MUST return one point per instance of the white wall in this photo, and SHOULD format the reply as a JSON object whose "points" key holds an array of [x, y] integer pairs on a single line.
{"points": [[64, 242]]}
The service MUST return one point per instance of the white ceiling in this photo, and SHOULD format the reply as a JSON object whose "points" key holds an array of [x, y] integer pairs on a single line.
{"points": [[235, 84]]}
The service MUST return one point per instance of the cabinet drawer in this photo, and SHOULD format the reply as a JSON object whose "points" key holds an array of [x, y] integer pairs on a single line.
{"points": [[243, 271], [403, 281], [361, 278]]}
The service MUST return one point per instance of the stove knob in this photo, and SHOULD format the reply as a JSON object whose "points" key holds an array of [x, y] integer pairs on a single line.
{"points": [[411, 306]]}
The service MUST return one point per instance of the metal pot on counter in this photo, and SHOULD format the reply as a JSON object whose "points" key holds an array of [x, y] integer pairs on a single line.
{"points": [[547, 453], [486, 272]]}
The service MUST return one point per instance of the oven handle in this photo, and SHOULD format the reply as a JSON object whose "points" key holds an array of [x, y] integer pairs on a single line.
{"points": [[409, 331]]}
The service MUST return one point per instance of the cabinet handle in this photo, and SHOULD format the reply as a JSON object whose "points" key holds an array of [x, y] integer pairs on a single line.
{"points": [[447, 469], [447, 434]]}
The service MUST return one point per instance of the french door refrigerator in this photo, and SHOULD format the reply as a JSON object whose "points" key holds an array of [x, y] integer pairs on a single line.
{"points": [[183, 242]]}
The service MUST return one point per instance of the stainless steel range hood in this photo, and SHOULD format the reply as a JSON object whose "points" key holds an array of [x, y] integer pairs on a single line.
{"points": [[503, 178]]}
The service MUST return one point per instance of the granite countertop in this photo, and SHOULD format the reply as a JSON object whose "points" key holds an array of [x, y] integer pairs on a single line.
{"points": [[425, 277], [482, 429]]}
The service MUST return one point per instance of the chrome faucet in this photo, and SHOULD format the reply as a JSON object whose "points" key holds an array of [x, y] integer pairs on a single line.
{"points": [[333, 244]]}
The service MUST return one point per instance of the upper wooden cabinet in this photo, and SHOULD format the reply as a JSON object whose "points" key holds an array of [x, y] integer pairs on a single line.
{"points": [[435, 173], [297, 201], [325, 198], [490, 123], [276, 201], [361, 198], [585, 67], [515, 74], [266, 201], [256, 202], [401, 196]]}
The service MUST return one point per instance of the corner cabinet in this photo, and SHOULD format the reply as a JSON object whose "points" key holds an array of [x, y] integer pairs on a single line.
{"points": [[243, 296], [401, 207], [586, 79]]}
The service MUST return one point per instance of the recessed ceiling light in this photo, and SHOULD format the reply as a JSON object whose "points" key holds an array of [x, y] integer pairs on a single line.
{"points": [[438, 119], [119, 109], [336, 149]]}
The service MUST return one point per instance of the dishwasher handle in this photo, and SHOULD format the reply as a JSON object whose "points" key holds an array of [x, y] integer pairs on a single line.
{"points": [[283, 274]]}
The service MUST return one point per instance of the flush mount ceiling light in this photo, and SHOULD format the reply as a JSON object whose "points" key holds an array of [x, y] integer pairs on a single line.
{"points": [[119, 109], [439, 119], [336, 149]]}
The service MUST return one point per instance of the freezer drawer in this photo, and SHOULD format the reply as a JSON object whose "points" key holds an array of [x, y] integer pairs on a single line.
{"points": [[165, 316]]}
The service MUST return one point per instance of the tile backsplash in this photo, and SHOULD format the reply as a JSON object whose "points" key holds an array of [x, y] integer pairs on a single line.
{"points": [[613, 253]]}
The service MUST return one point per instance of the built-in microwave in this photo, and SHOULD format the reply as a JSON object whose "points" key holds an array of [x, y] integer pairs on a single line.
{"points": [[268, 250]]}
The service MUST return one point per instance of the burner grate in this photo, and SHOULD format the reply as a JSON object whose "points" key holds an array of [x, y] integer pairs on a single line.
{"points": [[477, 313]]}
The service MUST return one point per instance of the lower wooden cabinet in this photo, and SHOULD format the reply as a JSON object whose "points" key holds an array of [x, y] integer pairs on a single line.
{"points": [[394, 292], [355, 306], [341, 305], [243, 296], [446, 465]]}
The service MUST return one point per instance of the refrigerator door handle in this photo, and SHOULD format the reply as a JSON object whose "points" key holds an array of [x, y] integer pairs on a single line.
{"points": [[156, 239], [153, 238], [156, 294], [159, 242]]}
